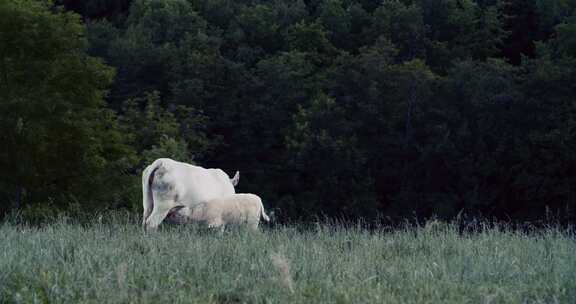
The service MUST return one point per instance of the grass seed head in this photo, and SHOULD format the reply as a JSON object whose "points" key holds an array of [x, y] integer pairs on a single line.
{"points": [[281, 263]]}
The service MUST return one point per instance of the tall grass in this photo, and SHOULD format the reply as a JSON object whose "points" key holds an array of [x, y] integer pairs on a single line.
{"points": [[113, 261]]}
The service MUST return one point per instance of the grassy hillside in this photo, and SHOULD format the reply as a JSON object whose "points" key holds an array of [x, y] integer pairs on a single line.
{"points": [[112, 261]]}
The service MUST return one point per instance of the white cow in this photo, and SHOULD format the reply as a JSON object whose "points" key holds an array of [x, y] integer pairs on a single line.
{"points": [[169, 185], [235, 209]]}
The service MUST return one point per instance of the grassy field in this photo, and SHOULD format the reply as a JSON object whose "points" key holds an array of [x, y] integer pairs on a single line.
{"points": [[115, 262]]}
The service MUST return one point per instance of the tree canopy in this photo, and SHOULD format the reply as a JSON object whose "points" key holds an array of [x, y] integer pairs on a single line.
{"points": [[344, 108]]}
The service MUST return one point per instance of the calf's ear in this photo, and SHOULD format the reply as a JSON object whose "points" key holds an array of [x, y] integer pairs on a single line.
{"points": [[235, 179]]}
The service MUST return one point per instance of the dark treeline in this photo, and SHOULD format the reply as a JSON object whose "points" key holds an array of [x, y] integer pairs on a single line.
{"points": [[346, 108]]}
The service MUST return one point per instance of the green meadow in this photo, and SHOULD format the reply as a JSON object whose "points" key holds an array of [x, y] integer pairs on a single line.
{"points": [[111, 260]]}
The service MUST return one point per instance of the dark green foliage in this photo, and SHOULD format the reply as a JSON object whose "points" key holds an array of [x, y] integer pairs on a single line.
{"points": [[58, 140], [328, 107], [155, 131], [96, 9]]}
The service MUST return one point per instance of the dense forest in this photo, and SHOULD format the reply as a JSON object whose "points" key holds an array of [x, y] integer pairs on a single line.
{"points": [[388, 109]]}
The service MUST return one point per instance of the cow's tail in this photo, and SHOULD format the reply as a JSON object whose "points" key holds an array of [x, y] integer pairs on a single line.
{"points": [[264, 216], [147, 198]]}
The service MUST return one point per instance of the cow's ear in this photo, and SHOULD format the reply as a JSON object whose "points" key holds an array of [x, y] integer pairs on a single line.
{"points": [[235, 179]]}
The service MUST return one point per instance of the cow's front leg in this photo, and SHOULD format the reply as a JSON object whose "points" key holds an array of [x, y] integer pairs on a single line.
{"points": [[216, 223]]}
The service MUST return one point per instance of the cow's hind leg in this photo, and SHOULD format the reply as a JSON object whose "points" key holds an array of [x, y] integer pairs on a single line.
{"points": [[159, 213], [253, 225]]}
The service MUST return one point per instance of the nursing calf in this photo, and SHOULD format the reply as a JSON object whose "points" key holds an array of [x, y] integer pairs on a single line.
{"points": [[171, 189], [236, 209]]}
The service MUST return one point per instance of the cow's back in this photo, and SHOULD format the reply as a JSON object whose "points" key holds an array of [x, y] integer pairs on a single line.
{"points": [[195, 184], [241, 207]]}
